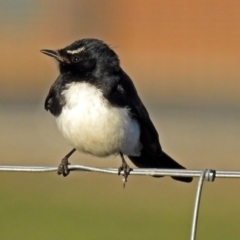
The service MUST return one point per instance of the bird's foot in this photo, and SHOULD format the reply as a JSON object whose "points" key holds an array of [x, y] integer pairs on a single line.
{"points": [[63, 167], [126, 171]]}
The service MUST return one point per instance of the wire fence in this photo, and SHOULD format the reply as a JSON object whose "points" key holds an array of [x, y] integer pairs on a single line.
{"points": [[203, 175]]}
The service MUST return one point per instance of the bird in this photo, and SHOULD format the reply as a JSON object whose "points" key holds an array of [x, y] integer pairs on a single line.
{"points": [[99, 112]]}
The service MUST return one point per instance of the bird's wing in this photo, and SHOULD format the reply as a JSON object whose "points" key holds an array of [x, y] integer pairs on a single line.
{"points": [[54, 101], [151, 155], [49, 100], [125, 94]]}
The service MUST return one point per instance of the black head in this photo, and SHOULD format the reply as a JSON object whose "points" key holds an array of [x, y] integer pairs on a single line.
{"points": [[85, 58]]}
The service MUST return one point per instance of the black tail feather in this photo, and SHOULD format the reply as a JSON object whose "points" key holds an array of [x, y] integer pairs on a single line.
{"points": [[164, 161]]}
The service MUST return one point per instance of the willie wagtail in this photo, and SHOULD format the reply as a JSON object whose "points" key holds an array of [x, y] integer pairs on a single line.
{"points": [[98, 110]]}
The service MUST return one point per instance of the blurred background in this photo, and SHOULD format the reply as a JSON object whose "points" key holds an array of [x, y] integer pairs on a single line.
{"points": [[183, 57]]}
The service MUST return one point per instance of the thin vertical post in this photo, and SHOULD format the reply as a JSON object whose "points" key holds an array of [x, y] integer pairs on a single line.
{"points": [[208, 175]]}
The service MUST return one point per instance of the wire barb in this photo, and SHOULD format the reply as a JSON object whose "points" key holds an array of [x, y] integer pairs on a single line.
{"points": [[210, 175]]}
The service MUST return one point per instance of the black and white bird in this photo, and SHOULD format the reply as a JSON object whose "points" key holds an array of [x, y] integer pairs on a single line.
{"points": [[98, 110]]}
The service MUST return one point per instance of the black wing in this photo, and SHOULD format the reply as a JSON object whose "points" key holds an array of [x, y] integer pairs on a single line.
{"points": [[54, 101], [149, 137], [49, 100], [152, 156]]}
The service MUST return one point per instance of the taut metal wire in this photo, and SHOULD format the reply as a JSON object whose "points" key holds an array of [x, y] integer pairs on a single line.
{"points": [[135, 171], [207, 175]]}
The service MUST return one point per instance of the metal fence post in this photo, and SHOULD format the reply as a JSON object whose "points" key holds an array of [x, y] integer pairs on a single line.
{"points": [[208, 175]]}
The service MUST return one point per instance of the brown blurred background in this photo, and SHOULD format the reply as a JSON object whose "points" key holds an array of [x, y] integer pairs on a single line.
{"points": [[183, 57], [176, 51]]}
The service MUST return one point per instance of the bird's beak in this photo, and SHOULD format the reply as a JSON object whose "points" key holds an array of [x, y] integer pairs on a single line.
{"points": [[53, 54]]}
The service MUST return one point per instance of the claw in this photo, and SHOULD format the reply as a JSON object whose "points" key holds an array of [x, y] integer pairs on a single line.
{"points": [[63, 166], [126, 170]]}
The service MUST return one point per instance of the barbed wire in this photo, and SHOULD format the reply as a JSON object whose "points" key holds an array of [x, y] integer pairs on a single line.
{"points": [[206, 174]]}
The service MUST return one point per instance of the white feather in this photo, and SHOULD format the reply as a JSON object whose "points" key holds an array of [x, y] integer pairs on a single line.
{"points": [[76, 51], [92, 125]]}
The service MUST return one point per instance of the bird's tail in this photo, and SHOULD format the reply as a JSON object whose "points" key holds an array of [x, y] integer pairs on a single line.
{"points": [[164, 161]]}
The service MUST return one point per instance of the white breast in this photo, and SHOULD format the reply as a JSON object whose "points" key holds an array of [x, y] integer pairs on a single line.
{"points": [[92, 126]]}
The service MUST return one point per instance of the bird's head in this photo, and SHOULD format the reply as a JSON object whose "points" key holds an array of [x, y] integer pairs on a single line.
{"points": [[84, 58]]}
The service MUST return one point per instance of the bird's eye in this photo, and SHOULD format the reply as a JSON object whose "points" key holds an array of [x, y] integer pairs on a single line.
{"points": [[75, 59]]}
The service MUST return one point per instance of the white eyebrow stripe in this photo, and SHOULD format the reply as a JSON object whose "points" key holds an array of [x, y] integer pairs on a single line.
{"points": [[76, 51]]}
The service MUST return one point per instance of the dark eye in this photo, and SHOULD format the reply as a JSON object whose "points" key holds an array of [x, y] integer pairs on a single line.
{"points": [[75, 59]]}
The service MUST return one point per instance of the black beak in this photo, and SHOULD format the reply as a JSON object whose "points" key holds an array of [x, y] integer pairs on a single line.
{"points": [[53, 54]]}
